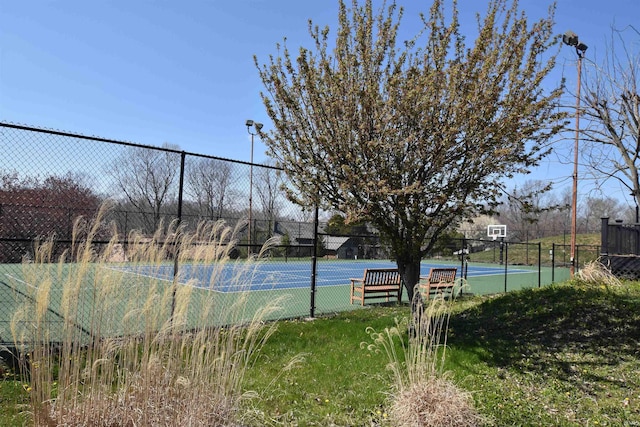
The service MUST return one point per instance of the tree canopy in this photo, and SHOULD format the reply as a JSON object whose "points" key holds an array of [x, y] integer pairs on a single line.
{"points": [[412, 136]]}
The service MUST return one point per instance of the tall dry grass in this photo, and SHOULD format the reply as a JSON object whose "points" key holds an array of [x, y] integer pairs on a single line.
{"points": [[595, 272], [120, 348], [422, 394]]}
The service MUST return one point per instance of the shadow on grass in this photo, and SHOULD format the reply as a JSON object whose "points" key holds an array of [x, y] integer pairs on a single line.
{"points": [[560, 330]]}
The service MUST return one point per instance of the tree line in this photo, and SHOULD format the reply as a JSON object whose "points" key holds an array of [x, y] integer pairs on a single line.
{"points": [[142, 194], [33, 207]]}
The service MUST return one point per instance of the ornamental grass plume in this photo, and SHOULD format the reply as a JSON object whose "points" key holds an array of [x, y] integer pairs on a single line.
{"points": [[422, 394], [595, 272], [434, 402], [108, 343]]}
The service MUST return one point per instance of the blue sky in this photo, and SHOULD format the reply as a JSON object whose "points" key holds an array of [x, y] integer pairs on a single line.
{"points": [[182, 72]]}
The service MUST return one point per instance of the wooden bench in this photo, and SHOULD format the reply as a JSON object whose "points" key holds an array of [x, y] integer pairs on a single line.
{"points": [[377, 283], [438, 282]]}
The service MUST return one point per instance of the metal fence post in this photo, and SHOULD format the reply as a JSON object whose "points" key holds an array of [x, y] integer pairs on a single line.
{"points": [[505, 245], [177, 243], [463, 273], [553, 263], [314, 264], [539, 264]]}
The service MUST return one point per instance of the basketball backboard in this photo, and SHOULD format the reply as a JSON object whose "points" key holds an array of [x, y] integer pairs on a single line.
{"points": [[496, 230]]}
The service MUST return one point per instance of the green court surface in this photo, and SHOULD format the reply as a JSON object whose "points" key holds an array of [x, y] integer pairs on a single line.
{"points": [[98, 301]]}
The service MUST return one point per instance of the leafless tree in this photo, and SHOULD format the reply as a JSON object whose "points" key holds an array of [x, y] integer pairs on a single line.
{"points": [[268, 183], [209, 182], [530, 211], [611, 106], [146, 177]]}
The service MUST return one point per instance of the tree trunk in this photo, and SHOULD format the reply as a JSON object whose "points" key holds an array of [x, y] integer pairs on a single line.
{"points": [[410, 272]]}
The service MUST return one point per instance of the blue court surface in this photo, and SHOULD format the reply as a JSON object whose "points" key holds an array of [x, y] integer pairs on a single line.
{"points": [[260, 276]]}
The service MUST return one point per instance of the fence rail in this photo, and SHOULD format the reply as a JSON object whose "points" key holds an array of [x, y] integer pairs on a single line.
{"points": [[621, 248]]}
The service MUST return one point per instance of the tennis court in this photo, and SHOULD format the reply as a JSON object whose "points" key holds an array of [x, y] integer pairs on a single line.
{"points": [[221, 285], [267, 276]]}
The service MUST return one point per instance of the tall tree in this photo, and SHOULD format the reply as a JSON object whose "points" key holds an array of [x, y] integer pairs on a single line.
{"points": [[336, 225], [32, 207], [611, 105], [412, 136], [268, 185], [598, 207], [210, 183], [146, 177], [528, 211]]}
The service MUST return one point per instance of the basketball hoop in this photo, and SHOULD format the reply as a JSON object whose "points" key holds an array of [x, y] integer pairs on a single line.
{"points": [[496, 230]]}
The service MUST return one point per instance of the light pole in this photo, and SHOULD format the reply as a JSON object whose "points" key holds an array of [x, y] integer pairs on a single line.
{"points": [[571, 39], [257, 126]]}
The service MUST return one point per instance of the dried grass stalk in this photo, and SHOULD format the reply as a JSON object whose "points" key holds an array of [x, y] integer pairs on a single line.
{"points": [[137, 351], [595, 272], [434, 402], [422, 396]]}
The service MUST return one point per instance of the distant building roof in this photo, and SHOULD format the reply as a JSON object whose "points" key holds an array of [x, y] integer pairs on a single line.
{"points": [[295, 230], [333, 243]]}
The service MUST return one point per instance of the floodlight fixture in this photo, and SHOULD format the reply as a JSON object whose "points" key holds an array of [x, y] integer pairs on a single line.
{"points": [[570, 38], [257, 126]]}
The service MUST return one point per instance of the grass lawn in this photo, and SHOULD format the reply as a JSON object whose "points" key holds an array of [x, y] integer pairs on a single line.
{"points": [[563, 355], [526, 254]]}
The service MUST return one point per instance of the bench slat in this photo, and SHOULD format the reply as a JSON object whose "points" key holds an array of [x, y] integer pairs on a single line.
{"points": [[440, 280], [377, 283]]}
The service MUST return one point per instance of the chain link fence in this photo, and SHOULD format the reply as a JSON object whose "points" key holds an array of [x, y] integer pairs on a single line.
{"points": [[52, 184], [524, 264]]}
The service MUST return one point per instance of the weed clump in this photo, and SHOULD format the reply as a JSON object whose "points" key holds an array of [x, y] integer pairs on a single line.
{"points": [[596, 273]]}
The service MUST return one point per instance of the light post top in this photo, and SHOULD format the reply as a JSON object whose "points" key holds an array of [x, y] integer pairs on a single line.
{"points": [[249, 123], [571, 39], [257, 126]]}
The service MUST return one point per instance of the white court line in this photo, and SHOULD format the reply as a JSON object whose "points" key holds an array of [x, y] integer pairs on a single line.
{"points": [[149, 276], [231, 290], [20, 280], [196, 283], [501, 273]]}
